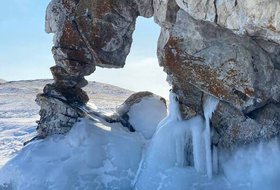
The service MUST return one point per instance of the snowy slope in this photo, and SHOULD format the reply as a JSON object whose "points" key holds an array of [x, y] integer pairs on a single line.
{"points": [[18, 110], [91, 156]]}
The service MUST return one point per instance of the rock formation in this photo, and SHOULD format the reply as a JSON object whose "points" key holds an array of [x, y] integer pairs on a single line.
{"points": [[229, 49], [87, 34]]}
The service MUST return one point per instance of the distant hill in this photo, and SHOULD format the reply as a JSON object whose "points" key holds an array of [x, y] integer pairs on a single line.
{"points": [[105, 96]]}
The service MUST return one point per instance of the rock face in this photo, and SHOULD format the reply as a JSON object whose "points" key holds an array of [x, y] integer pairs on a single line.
{"points": [[229, 49]]}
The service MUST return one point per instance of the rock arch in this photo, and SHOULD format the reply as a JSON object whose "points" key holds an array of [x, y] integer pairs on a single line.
{"points": [[229, 49]]}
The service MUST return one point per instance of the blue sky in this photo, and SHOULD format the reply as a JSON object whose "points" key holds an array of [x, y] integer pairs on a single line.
{"points": [[25, 50], [24, 46]]}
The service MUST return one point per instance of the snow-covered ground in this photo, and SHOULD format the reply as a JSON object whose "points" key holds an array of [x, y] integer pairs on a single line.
{"points": [[18, 110], [97, 155]]}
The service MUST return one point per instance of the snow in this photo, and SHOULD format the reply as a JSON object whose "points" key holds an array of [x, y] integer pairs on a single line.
{"points": [[90, 156], [145, 115], [254, 167], [18, 110], [18, 113], [99, 155]]}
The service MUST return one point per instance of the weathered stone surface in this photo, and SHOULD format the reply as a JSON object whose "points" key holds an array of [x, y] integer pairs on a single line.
{"points": [[254, 18], [56, 116], [232, 68], [165, 12], [145, 8], [62, 78], [106, 28], [235, 128]]}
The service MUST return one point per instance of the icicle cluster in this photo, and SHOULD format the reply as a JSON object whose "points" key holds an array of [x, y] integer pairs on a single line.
{"points": [[179, 143]]}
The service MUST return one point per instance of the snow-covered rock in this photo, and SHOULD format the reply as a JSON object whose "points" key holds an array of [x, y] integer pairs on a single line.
{"points": [[143, 111]]}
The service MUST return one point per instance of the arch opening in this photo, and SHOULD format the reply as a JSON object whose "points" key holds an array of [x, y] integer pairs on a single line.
{"points": [[141, 71]]}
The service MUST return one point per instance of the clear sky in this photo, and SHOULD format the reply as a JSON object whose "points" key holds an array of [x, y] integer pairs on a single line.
{"points": [[25, 50]]}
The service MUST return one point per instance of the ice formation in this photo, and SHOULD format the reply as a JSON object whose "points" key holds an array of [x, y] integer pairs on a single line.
{"points": [[91, 156], [209, 107], [173, 111], [178, 143], [99, 155]]}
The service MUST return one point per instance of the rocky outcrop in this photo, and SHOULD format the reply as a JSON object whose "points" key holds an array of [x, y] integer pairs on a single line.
{"points": [[87, 34], [229, 49]]}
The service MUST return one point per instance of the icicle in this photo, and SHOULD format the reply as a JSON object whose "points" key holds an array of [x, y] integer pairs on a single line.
{"points": [[215, 160], [166, 149], [198, 144], [173, 110], [174, 114], [181, 136], [209, 107]]}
